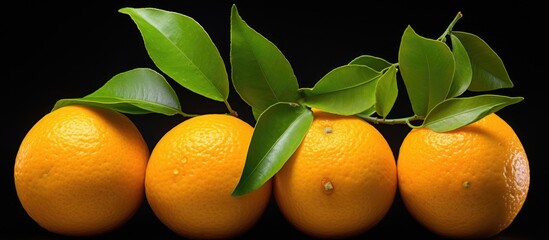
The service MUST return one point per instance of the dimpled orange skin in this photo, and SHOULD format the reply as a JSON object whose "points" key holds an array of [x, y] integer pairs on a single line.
{"points": [[80, 171], [340, 182], [467, 183], [192, 172]]}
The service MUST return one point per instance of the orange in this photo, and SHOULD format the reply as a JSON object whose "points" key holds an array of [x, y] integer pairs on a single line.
{"points": [[80, 170], [466, 183], [340, 182], [192, 172]]}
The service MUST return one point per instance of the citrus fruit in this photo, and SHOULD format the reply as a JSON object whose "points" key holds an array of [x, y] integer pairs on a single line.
{"points": [[80, 170], [192, 172], [466, 183], [341, 181]]}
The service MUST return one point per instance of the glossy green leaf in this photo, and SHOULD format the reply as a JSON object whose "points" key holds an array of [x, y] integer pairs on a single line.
{"points": [[458, 112], [137, 91], [386, 91], [376, 63], [261, 74], [183, 50], [463, 72], [346, 90], [277, 134], [489, 72], [427, 69]]}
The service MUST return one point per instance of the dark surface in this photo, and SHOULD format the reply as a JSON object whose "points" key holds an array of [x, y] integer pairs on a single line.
{"points": [[54, 51]]}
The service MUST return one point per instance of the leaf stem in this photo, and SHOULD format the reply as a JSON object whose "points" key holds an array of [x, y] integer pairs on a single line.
{"points": [[231, 111], [448, 30], [393, 121], [188, 115]]}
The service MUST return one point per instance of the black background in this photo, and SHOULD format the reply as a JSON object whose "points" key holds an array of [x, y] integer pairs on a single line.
{"points": [[53, 51]]}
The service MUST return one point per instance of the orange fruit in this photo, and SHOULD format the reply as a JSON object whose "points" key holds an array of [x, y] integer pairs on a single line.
{"points": [[466, 183], [192, 172], [341, 181], [80, 170]]}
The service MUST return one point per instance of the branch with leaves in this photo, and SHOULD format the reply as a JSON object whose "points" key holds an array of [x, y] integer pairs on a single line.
{"points": [[435, 74]]}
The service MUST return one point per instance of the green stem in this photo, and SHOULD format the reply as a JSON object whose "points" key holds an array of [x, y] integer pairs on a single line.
{"points": [[393, 121], [448, 30], [231, 111], [188, 115]]}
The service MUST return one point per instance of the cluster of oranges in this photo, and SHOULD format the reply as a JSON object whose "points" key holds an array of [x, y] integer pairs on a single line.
{"points": [[84, 171]]}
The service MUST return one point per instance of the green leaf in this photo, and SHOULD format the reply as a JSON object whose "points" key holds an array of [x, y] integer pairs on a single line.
{"points": [[427, 68], [463, 72], [137, 91], [458, 112], [346, 90], [277, 134], [386, 91], [261, 75], [376, 63], [182, 49], [489, 72]]}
